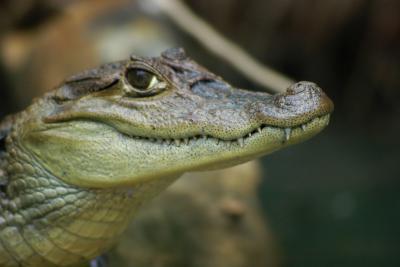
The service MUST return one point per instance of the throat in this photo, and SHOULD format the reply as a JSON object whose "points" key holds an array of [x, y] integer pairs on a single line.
{"points": [[76, 223]]}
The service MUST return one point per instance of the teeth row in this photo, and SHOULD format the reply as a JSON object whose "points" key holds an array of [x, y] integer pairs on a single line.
{"points": [[178, 142], [239, 141]]}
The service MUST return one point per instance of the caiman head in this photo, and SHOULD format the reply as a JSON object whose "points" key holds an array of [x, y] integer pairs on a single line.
{"points": [[148, 118]]}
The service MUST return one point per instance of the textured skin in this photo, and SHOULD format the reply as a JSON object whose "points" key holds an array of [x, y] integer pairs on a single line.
{"points": [[77, 163]]}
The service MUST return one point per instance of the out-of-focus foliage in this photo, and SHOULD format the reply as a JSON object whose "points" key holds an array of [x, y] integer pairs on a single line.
{"points": [[208, 219]]}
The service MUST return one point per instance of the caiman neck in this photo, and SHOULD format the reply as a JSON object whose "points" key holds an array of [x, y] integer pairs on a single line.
{"points": [[60, 224]]}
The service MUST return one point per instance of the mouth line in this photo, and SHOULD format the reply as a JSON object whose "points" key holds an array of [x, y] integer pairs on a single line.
{"points": [[287, 131]]}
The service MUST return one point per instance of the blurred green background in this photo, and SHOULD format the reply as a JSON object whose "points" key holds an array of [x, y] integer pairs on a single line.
{"points": [[332, 201]]}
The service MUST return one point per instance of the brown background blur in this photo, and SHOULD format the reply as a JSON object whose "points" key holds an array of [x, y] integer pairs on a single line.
{"points": [[332, 201]]}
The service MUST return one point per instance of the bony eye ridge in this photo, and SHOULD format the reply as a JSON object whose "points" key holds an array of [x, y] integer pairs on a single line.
{"points": [[143, 82]]}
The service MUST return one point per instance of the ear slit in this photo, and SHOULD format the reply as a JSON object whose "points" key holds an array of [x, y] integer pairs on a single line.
{"points": [[89, 81], [77, 89]]}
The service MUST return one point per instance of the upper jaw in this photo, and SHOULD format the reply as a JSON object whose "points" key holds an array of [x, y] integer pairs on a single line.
{"points": [[240, 114], [287, 134], [302, 104]]}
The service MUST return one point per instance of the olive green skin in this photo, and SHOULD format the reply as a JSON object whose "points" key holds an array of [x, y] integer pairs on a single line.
{"points": [[81, 160]]}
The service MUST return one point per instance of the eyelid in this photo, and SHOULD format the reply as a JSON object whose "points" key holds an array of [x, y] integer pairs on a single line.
{"points": [[148, 67], [144, 67]]}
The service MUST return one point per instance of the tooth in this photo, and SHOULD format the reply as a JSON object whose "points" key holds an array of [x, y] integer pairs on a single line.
{"points": [[218, 141], [186, 141], [287, 133], [204, 137], [159, 141], [259, 129], [194, 138], [168, 141], [303, 127], [249, 134], [240, 141], [177, 142]]}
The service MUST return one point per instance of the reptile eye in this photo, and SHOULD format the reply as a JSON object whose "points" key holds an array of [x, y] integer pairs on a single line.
{"points": [[142, 82], [140, 79]]}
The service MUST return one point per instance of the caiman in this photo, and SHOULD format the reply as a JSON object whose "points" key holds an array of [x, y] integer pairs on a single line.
{"points": [[77, 164]]}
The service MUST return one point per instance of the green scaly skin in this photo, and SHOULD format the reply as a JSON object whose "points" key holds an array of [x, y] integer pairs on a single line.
{"points": [[79, 162]]}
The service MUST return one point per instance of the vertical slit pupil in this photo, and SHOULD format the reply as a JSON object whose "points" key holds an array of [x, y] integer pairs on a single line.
{"points": [[3, 188], [3, 143]]}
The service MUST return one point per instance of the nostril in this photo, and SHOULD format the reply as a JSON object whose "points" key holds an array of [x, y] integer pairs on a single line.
{"points": [[300, 87]]}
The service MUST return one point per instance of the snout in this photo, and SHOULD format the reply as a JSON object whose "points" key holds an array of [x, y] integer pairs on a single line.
{"points": [[303, 95], [300, 103]]}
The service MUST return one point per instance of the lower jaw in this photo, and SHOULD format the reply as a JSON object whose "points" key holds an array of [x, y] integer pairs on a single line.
{"points": [[262, 143]]}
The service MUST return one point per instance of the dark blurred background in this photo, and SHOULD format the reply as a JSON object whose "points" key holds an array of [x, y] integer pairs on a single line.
{"points": [[332, 201]]}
